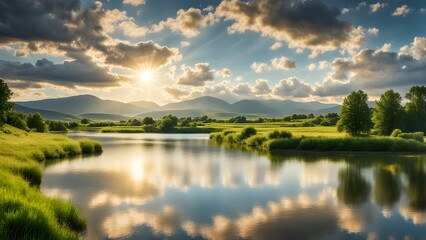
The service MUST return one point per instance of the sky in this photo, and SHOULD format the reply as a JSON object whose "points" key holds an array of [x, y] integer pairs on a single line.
{"points": [[167, 50]]}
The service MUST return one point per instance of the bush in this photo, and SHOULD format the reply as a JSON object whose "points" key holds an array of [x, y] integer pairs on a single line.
{"points": [[396, 132], [282, 144], [247, 132], [255, 140], [418, 136], [18, 120], [36, 121], [279, 134], [89, 146], [150, 128]]}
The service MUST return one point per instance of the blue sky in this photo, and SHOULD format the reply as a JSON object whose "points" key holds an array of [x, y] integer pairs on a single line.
{"points": [[165, 51]]}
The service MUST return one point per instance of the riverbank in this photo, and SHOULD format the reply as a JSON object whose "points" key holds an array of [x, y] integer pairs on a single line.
{"points": [[285, 141], [25, 213]]}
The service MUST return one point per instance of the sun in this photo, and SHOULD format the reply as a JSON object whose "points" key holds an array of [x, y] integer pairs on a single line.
{"points": [[146, 76]]}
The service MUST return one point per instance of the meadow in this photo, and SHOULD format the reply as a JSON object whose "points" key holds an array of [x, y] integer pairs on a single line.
{"points": [[25, 213]]}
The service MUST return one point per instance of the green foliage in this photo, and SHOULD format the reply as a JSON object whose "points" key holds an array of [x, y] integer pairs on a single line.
{"points": [[279, 134], [148, 121], [57, 126], [418, 136], [396, 132], [247, 132], [255, 140], [37, 122], [416, 109], [167, 123], [18, 120], [85, 121], [89, 146], [134, 122], [5, 105], [282, 144], [388, 113], [355, 115], [238, 119]]}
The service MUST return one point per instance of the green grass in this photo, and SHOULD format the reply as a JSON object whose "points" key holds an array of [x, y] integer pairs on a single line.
{"points": [[283, 140], [25, 213]]}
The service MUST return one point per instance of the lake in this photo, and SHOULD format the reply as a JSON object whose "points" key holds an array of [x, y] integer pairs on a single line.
{"points": [[177, 186]]}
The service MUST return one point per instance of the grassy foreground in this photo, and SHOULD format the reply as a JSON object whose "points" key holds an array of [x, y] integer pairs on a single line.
{"points": [[284, 140], [25, 213]]}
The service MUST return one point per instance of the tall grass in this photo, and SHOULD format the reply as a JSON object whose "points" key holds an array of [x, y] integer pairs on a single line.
{"points": [[283, 140], [25, 213]]}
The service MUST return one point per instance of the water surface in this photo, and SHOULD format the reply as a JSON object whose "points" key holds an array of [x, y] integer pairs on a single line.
{"points": [[176, 186]]}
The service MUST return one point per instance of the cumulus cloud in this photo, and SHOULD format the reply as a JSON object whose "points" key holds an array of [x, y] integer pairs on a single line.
{"points": [[401, 11], [292, 87], [320, 65], [68, 74], [301, 24], [197, 76], [417, 48], [242, 89], [261, 87], [141, 55], [276, 46], [344, 10], [361, 5], [376, 6], [283, 63], [224, 73], [373, 31], [134, 2], [175, 92], [187, 22], [259, 67]]}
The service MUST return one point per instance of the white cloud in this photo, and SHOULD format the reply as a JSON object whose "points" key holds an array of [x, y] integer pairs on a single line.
{"points": [[344, 10], [283, 63], [376, 6], [187, 22], [401, 11], [259, 67], [185, 44], [417, 48], [373, 31], [134, 2], [224, 73], [292, 87], [261, 87], [361, 5], [276, 46], [197, 76]]}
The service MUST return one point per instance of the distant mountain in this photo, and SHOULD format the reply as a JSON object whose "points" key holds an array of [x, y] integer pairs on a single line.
{"points": [[148, 106], [48, 115], [83, 104], [104, 116], [205, 103], [99, 109]]}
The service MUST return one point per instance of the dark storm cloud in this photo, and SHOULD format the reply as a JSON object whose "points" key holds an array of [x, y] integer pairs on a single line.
{"points": [[68, 74], [302, 24], [29, 20]]}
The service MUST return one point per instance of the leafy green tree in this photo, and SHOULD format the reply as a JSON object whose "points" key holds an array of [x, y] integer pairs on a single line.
{"points": [[37, 122], [148, 121], [134, 122], [388, 113], [5, 105], [85, 121], [57, 126], [355, 115], [416, 109], [166, 124], [18, 120]]}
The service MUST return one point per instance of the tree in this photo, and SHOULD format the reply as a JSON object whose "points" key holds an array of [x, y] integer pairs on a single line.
{"points": [[37, 122], [85, 121], [355, 115], [416, 109], [18, 120], [134, 122], [388, 113], [5, 105], [148, 121]]}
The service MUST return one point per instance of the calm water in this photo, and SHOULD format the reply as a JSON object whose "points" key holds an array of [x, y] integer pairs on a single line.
{"points": [[185, 187]]}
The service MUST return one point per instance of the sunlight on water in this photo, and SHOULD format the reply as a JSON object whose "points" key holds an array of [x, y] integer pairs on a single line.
{"points": [[183, 187]]}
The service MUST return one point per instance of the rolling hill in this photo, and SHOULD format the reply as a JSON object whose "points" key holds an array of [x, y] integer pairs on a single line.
{"points": [[48, 115], [98, 109]]}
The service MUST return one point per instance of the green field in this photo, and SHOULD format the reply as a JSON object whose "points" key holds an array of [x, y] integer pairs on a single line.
{"points": [[25, 213], [294, 127]]}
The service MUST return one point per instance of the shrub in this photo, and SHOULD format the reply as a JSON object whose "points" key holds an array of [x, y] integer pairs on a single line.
{"points": [[255, 140], [282, 144], [279, 134], [150, 128], [396, 132], [89, 146], [247, 132], [418, 136]]}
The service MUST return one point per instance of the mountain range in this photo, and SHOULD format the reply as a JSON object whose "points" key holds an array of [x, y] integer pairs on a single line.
{"points": [[89, 106]]}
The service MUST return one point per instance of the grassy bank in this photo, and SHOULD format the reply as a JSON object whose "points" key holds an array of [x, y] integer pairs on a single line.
{"points": [[25, 213], [284, 140]]}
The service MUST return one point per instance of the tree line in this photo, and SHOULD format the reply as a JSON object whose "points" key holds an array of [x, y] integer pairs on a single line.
{"points": [[357, 119]]}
